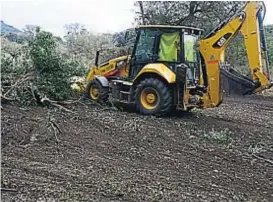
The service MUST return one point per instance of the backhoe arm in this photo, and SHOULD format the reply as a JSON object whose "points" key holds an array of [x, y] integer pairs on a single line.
{"points": [[253, 32], [212, 49]]}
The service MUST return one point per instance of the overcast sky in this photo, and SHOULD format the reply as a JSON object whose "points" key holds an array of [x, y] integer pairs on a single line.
{"points": [[96, 15]]}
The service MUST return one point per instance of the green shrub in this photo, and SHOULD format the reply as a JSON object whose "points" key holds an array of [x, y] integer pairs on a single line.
{"points": [[222, 136], [39, 57]]}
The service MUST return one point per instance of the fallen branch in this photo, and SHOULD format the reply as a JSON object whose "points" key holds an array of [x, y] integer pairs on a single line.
{"points": [[103, 109], [262, 158], [56, 130], [81, 103], [8, 189], [26, 77], [65, 102], [5, 99], [35, 95], [63, 108], [54, 103], [78, 101]]}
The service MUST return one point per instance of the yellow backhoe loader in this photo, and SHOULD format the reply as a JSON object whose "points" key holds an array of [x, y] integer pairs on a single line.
{"points": [[172, 67]]}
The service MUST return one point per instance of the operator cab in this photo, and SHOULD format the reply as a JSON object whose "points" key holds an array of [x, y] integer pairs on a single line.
{"points": [[170, 45]]}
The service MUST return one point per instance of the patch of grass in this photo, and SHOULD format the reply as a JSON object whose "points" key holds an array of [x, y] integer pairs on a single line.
{"points": [[238, 198], [256, 148], [222, 136]]}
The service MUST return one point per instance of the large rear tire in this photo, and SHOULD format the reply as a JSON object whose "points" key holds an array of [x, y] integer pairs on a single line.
{"points": [[96, 92], [153, 97]]}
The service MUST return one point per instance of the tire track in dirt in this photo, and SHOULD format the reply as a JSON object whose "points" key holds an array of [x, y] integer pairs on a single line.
{"points": [[121, 156]]}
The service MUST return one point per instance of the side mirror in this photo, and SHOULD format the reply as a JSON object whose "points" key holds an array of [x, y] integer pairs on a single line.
{"points": [[97, 58]]}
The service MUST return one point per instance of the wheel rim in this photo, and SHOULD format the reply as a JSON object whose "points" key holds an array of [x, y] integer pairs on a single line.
{"points": [[94, 92], [149, 98]]}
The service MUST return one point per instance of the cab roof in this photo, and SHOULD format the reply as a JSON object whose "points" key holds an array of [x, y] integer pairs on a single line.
{"points": [[184, 28]]}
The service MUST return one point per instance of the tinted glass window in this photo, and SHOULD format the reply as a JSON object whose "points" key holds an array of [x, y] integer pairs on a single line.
{"points": [[190, 51], [145, 46]]}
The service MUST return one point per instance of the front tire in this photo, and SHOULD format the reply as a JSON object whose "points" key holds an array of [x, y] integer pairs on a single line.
{"points": [[96, 92], [153, 97]]}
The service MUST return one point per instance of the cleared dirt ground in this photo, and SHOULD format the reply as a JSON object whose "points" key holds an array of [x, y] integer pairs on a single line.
{"points": [[221, 154]]}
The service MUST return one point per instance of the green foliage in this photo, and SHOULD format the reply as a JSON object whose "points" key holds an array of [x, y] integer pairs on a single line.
{"points": [[257, 148], [14, 59], [37, 67], [236, 51], [44, 54], [81, 45], [45, 65], [202, 14], [222, 136], [53, 71]]}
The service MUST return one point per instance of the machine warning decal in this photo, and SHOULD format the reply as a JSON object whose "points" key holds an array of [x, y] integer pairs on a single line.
{"points": [[212, 60], [220, 42]]}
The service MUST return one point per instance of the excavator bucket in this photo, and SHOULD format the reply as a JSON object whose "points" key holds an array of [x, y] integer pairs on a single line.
{"points": [[234, 83]]}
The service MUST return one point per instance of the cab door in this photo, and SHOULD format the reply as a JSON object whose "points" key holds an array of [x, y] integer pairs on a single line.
{"points": [[144, 51]]}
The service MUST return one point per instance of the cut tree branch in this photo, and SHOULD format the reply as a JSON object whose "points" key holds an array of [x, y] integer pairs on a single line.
{"points": [[21, 80], [55, 104], [8, 189], [262, 158], [56, 130]]}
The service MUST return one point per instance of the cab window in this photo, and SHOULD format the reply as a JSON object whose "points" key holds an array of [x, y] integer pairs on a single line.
{"points": [[169, 47], [145, 45], [189, 48], [191, 56]]}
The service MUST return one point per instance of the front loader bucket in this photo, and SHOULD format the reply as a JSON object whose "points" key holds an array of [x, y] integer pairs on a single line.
{"points": [[233, 83]]}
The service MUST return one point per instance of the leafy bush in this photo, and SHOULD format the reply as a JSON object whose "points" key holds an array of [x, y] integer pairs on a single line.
{"points": [[37, 68], [53, 71], [15, 63]]}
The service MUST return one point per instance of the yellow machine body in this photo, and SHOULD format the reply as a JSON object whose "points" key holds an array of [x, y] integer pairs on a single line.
{"points": [[212, 52], [159, 69], [110, 68], [247, 24]]}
